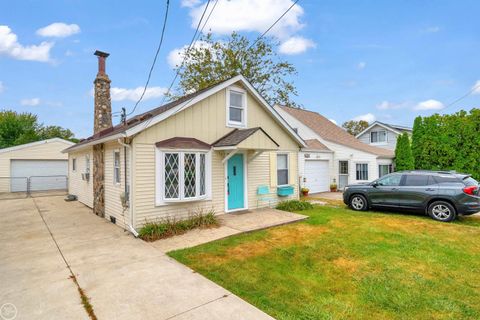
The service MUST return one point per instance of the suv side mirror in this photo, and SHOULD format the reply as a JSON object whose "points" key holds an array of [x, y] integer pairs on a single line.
{"points": [[375, 184]]}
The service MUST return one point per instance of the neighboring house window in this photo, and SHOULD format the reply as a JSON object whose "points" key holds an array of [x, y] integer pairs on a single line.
{"points": [[362, 171], [384, 169], [74, 164], [343, 167], [236, 107], [184, 176], [378, 136], [116, 167], [282, 169]]}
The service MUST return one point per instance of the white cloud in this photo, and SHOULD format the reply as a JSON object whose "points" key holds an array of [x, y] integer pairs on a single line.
{"points": [[476, 87], [190, 3], [387, 105], [361, 65], [250, 16], [429, 105], [175, 57], [2, 87], [296, 45], [366, 117], [432, 29], [10, 46], [120, 94], [333, 120], [30, 102], [59, 30]]}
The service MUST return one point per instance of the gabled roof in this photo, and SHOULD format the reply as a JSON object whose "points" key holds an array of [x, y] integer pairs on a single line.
{"points": [[36, 143], [391, 127], [314, 144], [236, 136], [183, 143], [329, 131], [145, 120]]}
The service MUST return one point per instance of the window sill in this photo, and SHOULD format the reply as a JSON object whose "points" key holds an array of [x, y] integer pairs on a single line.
{"points": [[378, 143], [170, 201], [236, 125]]}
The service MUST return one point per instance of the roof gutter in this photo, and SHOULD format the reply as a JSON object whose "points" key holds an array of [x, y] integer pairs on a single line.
{"points": [[94, 142]]}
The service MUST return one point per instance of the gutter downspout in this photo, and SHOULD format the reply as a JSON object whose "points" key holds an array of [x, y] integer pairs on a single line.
{"points": [[128, 192]]}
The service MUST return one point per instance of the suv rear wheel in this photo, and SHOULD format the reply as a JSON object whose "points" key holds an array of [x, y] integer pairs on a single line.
{"points": [[358, 203], [442, 211]]}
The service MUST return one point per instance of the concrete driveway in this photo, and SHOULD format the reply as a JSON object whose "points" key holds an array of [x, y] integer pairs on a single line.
{"points": [[124, 277]]}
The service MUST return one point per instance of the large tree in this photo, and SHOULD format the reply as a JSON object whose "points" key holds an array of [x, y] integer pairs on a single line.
{"points": [[19, 128], [403, 153], [216, 60], [355, 127]]}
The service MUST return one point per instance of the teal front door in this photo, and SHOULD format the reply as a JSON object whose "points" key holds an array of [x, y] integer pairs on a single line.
{"points": [[235, 190]]}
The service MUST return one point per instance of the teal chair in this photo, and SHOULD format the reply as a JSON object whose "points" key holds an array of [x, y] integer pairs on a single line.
{"points": [[264, 194]]}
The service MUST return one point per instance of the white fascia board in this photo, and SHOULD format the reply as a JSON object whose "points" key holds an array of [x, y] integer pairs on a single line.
{"points": [[36, 143], [378, 124], [94, 142]]}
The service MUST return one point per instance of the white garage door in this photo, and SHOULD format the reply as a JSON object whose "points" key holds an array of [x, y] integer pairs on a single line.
{"points": [[317, 175], [43, 174]]}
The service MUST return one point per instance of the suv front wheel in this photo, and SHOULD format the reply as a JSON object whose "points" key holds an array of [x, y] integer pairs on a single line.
{"points": [[442, 211], [358, 203]]}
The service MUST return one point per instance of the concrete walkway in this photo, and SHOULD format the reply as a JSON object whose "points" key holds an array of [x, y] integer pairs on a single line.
{"points": [[124, 277], [230, 224]]}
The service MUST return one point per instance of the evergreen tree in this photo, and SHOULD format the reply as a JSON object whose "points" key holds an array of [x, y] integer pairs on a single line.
{"points": [[403, 153]]}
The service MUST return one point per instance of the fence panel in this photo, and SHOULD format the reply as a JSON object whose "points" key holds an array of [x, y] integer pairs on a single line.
{"points": [[13, 187]]}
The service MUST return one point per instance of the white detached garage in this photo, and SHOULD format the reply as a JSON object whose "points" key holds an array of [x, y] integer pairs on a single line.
{"points": [[42, 163]]}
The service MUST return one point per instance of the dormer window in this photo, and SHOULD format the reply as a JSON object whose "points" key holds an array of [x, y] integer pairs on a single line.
{"points": [[378, 136], [236, 107]]}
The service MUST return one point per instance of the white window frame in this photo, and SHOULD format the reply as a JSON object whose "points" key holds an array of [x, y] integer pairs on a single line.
{"points": [[236, 124], [378, 135], [160, 197], [288, 169], [117, 178], [390, 169], [356, 171], [74, 164]]}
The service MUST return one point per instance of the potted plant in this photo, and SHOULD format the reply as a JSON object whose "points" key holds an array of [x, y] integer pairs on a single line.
{"points": [[304, 191], [333, 187]]}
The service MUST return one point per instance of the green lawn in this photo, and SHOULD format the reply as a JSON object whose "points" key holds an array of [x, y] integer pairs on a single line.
{"points": [[341, 264]]}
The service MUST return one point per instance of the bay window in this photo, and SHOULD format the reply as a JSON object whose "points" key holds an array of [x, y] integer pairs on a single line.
{"points": [[184, 175]]}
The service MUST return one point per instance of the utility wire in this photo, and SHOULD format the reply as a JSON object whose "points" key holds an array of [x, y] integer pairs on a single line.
{"points": [[462, 97], [192, 43], [273, 25], [154, 59]]}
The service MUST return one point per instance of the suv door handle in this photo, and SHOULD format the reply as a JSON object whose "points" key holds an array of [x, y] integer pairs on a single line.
{"points": [[394, 189], [429, 189]]}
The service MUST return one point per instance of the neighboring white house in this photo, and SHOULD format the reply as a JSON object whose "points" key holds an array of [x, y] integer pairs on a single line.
{"points": [[382, 135], [42, 162], [333, 155]]}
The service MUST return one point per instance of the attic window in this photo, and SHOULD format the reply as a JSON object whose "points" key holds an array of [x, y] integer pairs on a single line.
{"points": [[378, 136], [236, 107]]}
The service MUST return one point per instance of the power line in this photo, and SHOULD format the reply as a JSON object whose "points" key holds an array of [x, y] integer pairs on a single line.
{"points": [[154, 59], [192, 43], [463, 97], [270, 28]]}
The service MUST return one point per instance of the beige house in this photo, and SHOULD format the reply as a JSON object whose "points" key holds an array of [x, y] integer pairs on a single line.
{"points": [[222, 148], [40, 164]]}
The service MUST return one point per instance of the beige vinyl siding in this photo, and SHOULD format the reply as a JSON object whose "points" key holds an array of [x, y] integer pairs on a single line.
{"points": [[205, 121], [76, 186], [113, 191], [49, 150]]}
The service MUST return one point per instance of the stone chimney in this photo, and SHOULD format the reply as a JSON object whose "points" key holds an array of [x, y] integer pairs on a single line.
{"points": [[102, 121], [103, 104]]}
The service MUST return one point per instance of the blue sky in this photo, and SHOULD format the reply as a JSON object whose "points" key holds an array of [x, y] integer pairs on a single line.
{"points": [[385, 60]]}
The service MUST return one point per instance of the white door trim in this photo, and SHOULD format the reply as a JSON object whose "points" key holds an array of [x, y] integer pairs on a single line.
{"points": [[245, 184]]}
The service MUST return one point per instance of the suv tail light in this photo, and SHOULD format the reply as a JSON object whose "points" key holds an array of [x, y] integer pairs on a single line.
{"points": [[471, 190]]}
